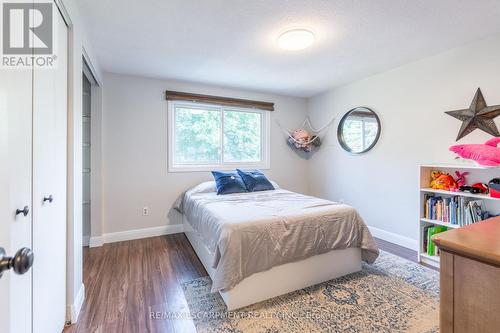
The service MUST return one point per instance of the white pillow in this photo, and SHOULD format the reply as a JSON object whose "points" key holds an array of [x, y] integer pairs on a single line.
{"points": [[205, 187]]}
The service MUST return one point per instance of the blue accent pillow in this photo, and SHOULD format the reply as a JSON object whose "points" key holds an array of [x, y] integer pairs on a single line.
{"points": [[228, 182], [255, 180]]}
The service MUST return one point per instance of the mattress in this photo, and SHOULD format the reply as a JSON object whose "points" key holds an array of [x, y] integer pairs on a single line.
{"points": [[253, 232]]}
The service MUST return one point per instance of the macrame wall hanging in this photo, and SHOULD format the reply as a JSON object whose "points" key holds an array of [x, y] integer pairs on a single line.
{"points": [[306, 139]]}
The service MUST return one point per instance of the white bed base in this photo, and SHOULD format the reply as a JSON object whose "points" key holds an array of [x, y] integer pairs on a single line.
{"points": [[280, 279]]}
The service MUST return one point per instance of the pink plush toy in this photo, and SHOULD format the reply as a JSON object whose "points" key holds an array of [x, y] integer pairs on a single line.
{"points": [[461, 178], [301, 137], [487, 154]]}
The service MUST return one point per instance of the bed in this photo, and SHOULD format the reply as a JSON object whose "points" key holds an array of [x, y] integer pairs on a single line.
{"points": [[260, 245]]}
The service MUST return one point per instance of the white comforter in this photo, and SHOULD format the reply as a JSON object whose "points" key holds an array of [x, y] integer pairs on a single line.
{"points": [[253, 232]]}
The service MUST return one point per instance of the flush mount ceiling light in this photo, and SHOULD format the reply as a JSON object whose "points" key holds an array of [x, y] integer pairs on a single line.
{"points": [[296, 39]]}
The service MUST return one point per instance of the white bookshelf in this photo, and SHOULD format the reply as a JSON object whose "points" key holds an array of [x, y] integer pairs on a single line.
{"points": [[462, 194], [477, 174]]}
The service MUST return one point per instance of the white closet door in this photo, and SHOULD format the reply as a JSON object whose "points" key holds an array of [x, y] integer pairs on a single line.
{"points": [[49, 190], [15, 193]]}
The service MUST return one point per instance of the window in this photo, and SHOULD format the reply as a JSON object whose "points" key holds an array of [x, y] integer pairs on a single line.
{"points": [[204, 137]]}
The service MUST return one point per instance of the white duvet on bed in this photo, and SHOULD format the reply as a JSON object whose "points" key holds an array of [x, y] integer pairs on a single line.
{"points": [[253, 232]]}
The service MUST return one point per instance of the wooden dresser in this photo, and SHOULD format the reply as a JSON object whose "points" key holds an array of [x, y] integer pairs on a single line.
{"points": [[470, 278]]}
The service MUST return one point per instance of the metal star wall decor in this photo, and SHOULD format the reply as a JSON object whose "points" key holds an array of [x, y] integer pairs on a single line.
{"points": [[478, 115]]}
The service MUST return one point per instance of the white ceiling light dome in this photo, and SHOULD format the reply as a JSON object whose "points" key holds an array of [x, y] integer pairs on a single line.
{"points": [[296, 39]]}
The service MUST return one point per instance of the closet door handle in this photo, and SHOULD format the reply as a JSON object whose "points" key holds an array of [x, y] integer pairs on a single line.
{"points": [[25, 211], [50, 198], [20, 263]]}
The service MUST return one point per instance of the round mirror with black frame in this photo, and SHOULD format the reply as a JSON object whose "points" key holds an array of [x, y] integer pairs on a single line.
{"points": [[359, 130]]}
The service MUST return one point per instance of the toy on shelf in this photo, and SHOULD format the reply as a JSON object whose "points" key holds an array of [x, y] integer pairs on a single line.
{"points": [[470, 189], [482, 187], [461, 178], [494, 185], [443, 181], [487, 154]]}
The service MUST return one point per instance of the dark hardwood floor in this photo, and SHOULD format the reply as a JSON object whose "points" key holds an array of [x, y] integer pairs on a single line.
{"points": [[397, 250], [125, 282]]}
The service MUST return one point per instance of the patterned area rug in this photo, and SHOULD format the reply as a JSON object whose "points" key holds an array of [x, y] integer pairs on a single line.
{"points": [[391, 295]]}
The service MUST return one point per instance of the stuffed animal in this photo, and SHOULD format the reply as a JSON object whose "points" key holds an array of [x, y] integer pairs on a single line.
{"points": [[301, 137], [316, 141], [442, 181], [460, 178], [302, 140], [434, 175], [482, 187], [486, 154]]}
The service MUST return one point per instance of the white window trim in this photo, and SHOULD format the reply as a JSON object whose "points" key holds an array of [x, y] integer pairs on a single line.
{"points": [[265, 141]]}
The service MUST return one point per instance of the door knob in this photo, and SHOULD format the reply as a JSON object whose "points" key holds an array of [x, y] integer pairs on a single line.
{"points": [[50, 198], [20, 263], [23, 211]]}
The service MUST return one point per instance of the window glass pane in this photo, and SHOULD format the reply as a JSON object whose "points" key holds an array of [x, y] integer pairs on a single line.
{"points": [[197, 135], [242, 136]]}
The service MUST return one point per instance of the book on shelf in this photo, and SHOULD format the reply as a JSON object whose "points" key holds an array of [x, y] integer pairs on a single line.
{"points": [[457, 210], [429, 246]]}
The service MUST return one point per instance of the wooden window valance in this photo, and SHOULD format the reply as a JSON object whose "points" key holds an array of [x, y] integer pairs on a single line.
{"points": [[243, 103]]}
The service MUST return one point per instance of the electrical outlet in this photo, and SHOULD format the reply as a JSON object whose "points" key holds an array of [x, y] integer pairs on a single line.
{"points": [[145, 211]]}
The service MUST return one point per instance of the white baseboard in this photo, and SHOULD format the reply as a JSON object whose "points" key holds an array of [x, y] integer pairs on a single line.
{"points": [[121, 236], [74, 309], [96, 241], [404, 241], [85, 240], [135, 234]]}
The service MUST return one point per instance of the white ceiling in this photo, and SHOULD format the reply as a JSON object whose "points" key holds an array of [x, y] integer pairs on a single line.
{"points": [[233, 42]]}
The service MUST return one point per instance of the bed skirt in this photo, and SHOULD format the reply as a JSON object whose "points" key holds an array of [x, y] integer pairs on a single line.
{"points": [[280, 279]]}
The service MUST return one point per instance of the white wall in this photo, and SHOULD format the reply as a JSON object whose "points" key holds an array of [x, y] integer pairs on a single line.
{"points": [[410, 101], [134, 150]]}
